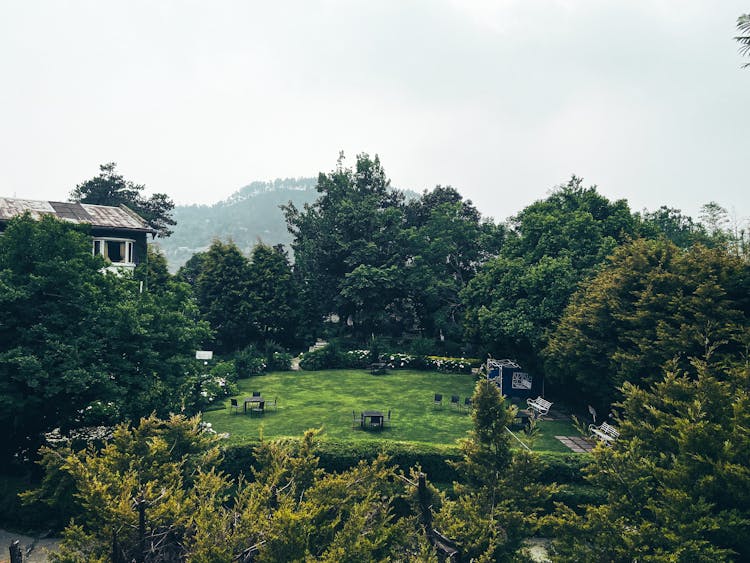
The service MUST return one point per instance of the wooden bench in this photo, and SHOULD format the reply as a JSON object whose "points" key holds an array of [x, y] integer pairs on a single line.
{"points": [[539, 405], [604, 432]]}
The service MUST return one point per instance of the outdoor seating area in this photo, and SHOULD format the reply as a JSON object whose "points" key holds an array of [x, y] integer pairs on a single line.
{"points": [[337, 400], [604, 432], [371, 420], [539, 405], [255, 405], [455, 402]]}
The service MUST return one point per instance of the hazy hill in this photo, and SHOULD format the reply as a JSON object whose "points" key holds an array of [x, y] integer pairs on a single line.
{"points": [[249, 215]]}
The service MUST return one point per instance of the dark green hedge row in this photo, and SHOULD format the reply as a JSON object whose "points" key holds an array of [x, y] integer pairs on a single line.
{"points": [[338, 456], [331, 357], [564, 467]]}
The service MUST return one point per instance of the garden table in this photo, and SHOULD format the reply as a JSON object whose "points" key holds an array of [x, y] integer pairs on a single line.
{"points": [[252, 400], [376, 419]]}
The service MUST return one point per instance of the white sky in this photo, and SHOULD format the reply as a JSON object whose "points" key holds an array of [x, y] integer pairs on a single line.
{"points": [[501, 99]]}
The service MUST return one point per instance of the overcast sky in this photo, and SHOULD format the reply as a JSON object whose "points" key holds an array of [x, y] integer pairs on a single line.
{"points": [[501, 99]]}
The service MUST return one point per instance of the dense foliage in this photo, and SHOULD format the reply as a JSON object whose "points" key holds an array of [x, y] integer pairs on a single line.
{"points": [[677, 479], [552, 246], [602, 300], [79, 347], [651, 304], [369, 262], [246, 301], [153, 493]]}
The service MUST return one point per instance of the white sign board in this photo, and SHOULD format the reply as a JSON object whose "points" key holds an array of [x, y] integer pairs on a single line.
{"points": [[204, 355]]}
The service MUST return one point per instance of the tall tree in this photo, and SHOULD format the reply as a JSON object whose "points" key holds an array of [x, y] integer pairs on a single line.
{"points": [[677, 479], [222, 288], [498, 500], [445, 243], [670, 223], [272, 294], [552, 245], [80, 347], [650, 304], [110, 188], [347, 246]]}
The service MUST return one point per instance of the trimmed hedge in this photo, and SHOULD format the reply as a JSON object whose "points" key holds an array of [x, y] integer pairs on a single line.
{"points": [[339, 456], [331, 357], [564, 467], [335, 456]]}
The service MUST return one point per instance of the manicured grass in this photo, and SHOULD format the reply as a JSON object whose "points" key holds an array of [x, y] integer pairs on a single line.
{"points": [[326, 399]]}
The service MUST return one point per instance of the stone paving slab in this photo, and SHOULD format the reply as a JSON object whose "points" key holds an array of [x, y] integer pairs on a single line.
{"points": [[576, 443]]}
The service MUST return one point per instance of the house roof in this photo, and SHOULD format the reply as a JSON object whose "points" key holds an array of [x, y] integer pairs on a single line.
{"points": [[102, 216]]}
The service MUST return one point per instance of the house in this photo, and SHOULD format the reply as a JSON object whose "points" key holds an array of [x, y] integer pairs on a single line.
{"points": [[118, 233]]}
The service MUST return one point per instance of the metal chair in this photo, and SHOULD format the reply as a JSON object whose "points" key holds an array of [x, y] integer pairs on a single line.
{"points": [[233, 404], [467, 403], [387, 421], [454, 401], [438, 400], [256, 393], [356, 422], [274, 403]]}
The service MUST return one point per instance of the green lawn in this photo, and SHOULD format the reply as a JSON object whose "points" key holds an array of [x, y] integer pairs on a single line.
{"points": [[326, 399]]}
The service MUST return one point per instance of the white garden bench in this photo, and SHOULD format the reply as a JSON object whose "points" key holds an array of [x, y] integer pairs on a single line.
{"points": [[539, 405], [604, 432]]}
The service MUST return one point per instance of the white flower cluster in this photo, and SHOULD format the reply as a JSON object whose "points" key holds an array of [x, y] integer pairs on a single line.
{"points": [[85, 433]]}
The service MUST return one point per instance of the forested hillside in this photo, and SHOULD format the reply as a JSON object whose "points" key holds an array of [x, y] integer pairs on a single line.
{"points": [[249, 215]]}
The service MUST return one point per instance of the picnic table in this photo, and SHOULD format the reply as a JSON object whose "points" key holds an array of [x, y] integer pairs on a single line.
{"points": [[260, 401], [376, 419]]}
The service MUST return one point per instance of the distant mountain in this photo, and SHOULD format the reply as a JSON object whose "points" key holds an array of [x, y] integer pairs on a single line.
{"points": [[249, 215]]}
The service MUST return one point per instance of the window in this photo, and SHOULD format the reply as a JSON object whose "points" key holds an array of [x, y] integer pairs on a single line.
{"points": [[521, 380], [116, 250]]}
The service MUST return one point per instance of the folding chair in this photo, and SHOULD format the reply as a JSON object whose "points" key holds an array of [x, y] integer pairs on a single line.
{"points": [[233, 404], [438, 400], [454, 401]]}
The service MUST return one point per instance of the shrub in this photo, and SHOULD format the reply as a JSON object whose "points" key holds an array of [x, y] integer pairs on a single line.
{"points": [[325, 358], [452, 365], [423, 346], [331, 358], [564, 467], [215, 385], [225, 370], [337, 456], [437, 363], [280, 361], [356, 359], [249, 361]]}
